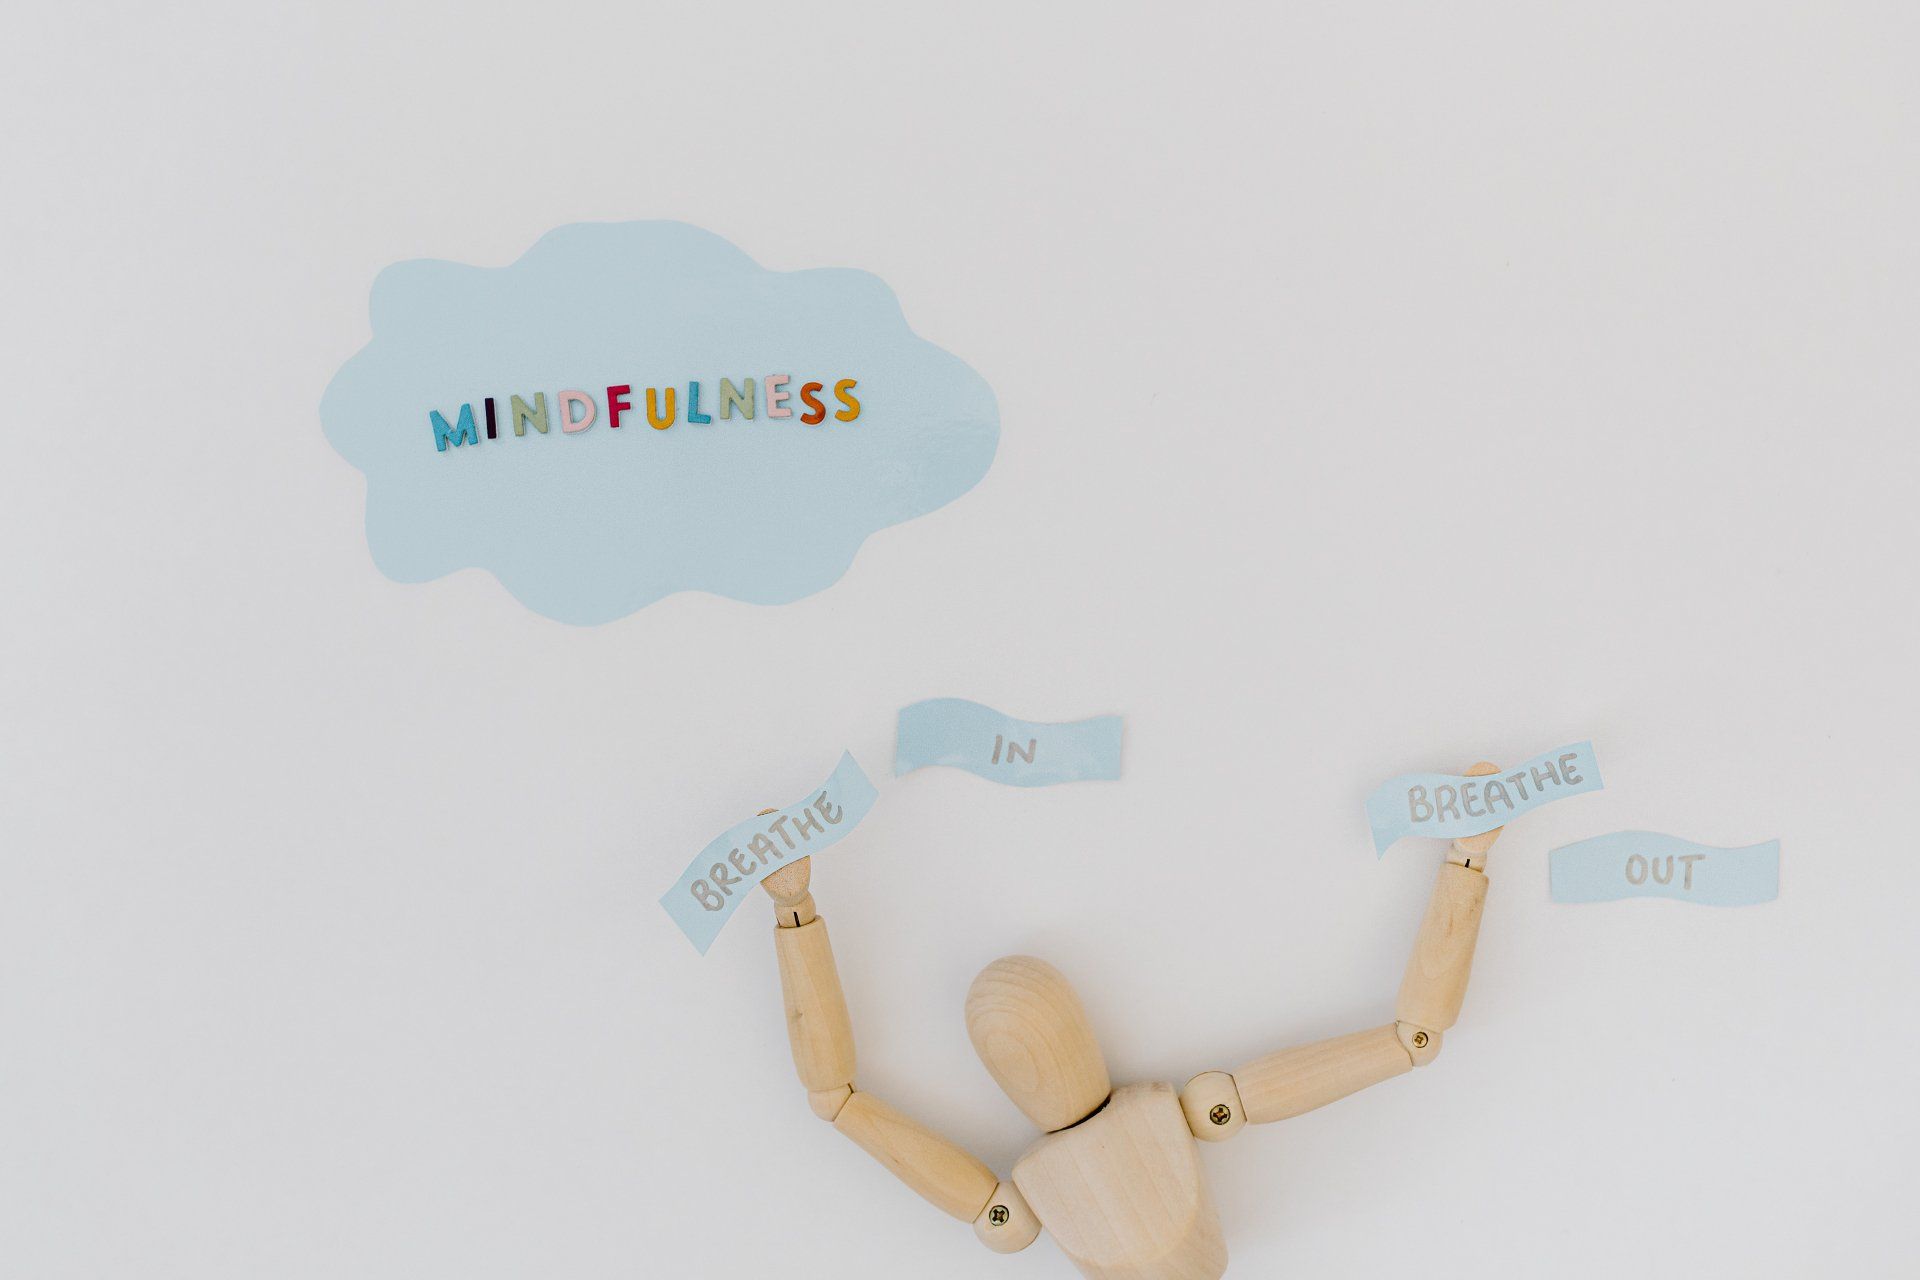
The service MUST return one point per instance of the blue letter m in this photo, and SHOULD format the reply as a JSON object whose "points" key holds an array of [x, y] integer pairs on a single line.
{"points": [[465, 434]]}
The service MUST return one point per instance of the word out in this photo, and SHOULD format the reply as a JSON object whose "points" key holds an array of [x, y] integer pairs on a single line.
{"points": [[1639, 867], [1648, 864], [577, 410]]}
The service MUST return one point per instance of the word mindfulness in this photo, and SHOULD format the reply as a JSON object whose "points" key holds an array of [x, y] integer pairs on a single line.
{"points": [[774, 396]]}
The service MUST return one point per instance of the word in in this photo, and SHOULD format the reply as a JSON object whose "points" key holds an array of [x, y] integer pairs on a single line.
{"points": [[1013, 750], [967, 735]]}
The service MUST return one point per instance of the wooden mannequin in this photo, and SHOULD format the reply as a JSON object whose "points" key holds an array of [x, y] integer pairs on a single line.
{"points": [[1116, 1177]]}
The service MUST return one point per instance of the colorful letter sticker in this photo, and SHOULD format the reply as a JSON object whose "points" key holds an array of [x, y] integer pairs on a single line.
{"points": [[722, 427], [724, 874], [1019, 753], [1647, 864], [1449, 806]]}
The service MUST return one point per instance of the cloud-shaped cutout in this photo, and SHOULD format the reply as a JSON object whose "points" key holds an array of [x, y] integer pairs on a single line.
{"points": [[592, 524]]}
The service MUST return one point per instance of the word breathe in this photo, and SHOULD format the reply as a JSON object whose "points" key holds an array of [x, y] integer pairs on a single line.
{"points": [[761, 852], [1020, 753], [721, 875], [1456, 799], [1448, 806], [577, 411], [1647, 864]]}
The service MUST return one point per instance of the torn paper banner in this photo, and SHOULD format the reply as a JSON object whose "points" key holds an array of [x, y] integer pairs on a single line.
{"points": [[1647, 864], [724, 874], [1019, 753], [1449, 806]]}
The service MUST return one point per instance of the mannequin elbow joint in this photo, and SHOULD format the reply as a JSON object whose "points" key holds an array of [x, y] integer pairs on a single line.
{"points": [[1421, 1044]]}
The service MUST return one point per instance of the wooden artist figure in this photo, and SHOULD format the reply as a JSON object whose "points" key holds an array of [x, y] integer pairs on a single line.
{"points": [[1116, 1175]]}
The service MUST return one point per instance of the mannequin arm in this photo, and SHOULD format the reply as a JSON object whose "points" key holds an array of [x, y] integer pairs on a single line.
{"points": [[1218, 1104], [821, 1036]]}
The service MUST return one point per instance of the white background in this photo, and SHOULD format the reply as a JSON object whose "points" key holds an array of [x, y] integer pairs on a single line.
{"points": [[1383, 387]]}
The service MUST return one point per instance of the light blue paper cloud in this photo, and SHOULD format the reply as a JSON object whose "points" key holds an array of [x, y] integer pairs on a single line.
{"points": [[1648, 864], [590, 526], [1020, 753]]}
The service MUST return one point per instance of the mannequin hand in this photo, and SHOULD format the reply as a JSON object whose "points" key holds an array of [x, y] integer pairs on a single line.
{"points": [[1471, 851]]}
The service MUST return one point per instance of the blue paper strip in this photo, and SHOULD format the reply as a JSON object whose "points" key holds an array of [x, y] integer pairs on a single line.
{"points": [[1020, 753], [723, 876], [1449, 806], [1647, 864]]}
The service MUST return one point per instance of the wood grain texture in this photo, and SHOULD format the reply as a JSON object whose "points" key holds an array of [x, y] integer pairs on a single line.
{"points": [[1472, 850], [1123, 1195], [945, 1175], [818, 1028], [788, 885], [1294, 1081], [1007, 1224], [791, 915], [1422, 1045], [1027, 1025], [1442, 960], [1212, 1105]]}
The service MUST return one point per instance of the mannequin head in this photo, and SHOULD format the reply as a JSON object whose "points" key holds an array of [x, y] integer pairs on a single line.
{"points": [[1031, 1033]]}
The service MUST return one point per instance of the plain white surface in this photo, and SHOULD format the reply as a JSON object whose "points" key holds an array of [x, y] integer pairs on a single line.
{"points": [[1382, 388]]}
